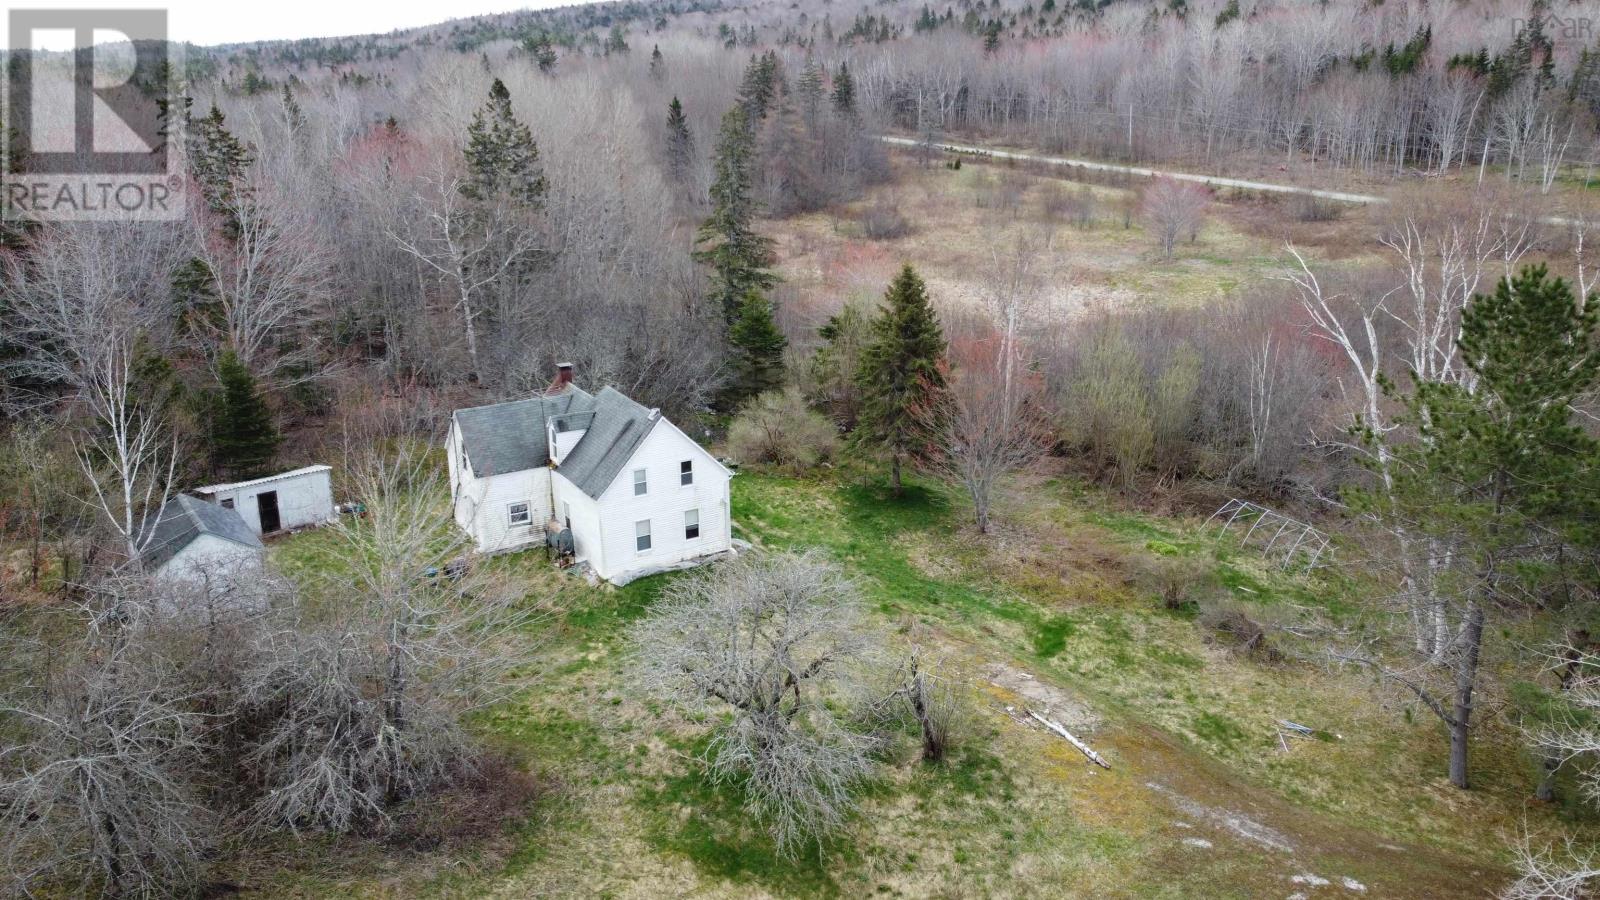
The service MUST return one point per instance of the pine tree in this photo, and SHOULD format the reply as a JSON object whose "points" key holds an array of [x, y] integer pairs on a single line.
{"points": [[738, 255], [658, 64], [680, 142], [1499, 470], [502, 158], [244, 437], [844, 92], [758, 350], [902, 370]]}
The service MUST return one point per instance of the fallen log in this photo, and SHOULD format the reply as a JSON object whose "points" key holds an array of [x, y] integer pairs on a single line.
{"points": [[1083, 748]]}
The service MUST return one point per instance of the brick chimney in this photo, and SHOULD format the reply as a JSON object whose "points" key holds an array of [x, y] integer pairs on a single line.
{"points": [[562, 380]]}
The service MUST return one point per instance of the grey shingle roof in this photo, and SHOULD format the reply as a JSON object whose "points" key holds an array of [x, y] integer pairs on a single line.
{"points": [[510, 437], [185, 518], [619, 426]]}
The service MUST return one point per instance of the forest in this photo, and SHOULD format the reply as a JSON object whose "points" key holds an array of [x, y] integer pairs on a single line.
{"points": [[1166, 438]]}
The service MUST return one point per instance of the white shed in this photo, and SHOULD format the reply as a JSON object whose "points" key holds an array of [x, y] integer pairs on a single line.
{"points": [[195, 541], [296, 499]]}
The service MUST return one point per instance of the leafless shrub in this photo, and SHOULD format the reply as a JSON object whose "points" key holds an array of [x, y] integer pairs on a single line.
{"points": [[100, 784], [937, 705], [883, 220], [1172, 208], [778, 428], [1311, 208], [1243, 628], [767, 638], [363, 703], [1178, 580]]}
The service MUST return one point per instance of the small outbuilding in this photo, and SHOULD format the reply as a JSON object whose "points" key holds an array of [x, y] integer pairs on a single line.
{"points": [[197, 541], [297, 499]]}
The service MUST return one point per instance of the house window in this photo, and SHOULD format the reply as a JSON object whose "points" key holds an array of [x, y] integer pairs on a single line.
{"points": [[519, 514], [691, 524], [641, 535], [686, 472], [639, 485], [566, 513], [228, 503]]}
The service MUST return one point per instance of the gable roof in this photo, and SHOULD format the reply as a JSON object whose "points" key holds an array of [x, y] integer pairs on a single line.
{"points": [[619, 426], [510, 437], [185, 518]]}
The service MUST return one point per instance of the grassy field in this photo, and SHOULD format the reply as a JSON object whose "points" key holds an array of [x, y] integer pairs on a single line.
{"points": [[1055, 611], [960, 224]]}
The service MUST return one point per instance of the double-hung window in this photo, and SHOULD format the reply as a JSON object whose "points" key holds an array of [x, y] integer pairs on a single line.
{"points": [[641, 535], [686, 472], [640, 485], [691, 524], [519, 514]]}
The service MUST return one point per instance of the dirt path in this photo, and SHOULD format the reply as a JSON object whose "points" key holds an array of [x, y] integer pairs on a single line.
{"points": [[1211, 180]]}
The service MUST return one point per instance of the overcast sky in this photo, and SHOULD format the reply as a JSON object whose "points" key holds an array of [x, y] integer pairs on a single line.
{"points": [[237, 21]]}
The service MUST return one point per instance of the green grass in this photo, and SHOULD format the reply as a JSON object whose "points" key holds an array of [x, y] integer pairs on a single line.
{"points": [[630, 807]]}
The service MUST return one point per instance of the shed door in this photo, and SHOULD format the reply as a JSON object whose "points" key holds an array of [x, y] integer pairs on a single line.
{"points": [[267, 505]]}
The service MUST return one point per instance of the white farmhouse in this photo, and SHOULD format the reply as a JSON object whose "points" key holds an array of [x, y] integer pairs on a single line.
{"points": [[195, 541], [635, 492], [287, 500]]}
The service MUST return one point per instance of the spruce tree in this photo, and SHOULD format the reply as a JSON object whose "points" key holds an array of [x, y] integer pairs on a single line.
{"points": [[809, 87], [844, 92], [760, 85], [680, 142], [294, 118], [739, 257], [218, 162], [758, 350], [543, 52], [902, 370], [658, 64], [244, 438], [502, 158]]}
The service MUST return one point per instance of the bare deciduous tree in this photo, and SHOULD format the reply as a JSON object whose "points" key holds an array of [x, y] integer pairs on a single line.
{"points": [[766, 637], [1172, 208], [99, 787], [365, 703]]}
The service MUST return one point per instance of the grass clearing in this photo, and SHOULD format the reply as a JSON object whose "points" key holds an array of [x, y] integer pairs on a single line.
{"points": [[1056, 598]]}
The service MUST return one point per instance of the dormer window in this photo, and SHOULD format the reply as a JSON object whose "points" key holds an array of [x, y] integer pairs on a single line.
{"points": [[686, 472], [640, 486]]}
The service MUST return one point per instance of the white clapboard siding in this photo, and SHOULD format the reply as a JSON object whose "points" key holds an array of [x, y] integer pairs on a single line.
{"points": [[488, 509], [587, 528], [664, 505], [209, 556]]}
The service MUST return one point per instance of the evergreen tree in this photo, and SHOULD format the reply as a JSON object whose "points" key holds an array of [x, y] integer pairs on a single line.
{"points": [[616, 41], [244, 437], [758, 350], [844, 92], [902, 370], [760, 85], [1500, 471], [739, 257], [809, 87], [502, 158], [658, 64], [835, 364], [218, 162], [680, 142], [543, 52], [293, 116]]}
